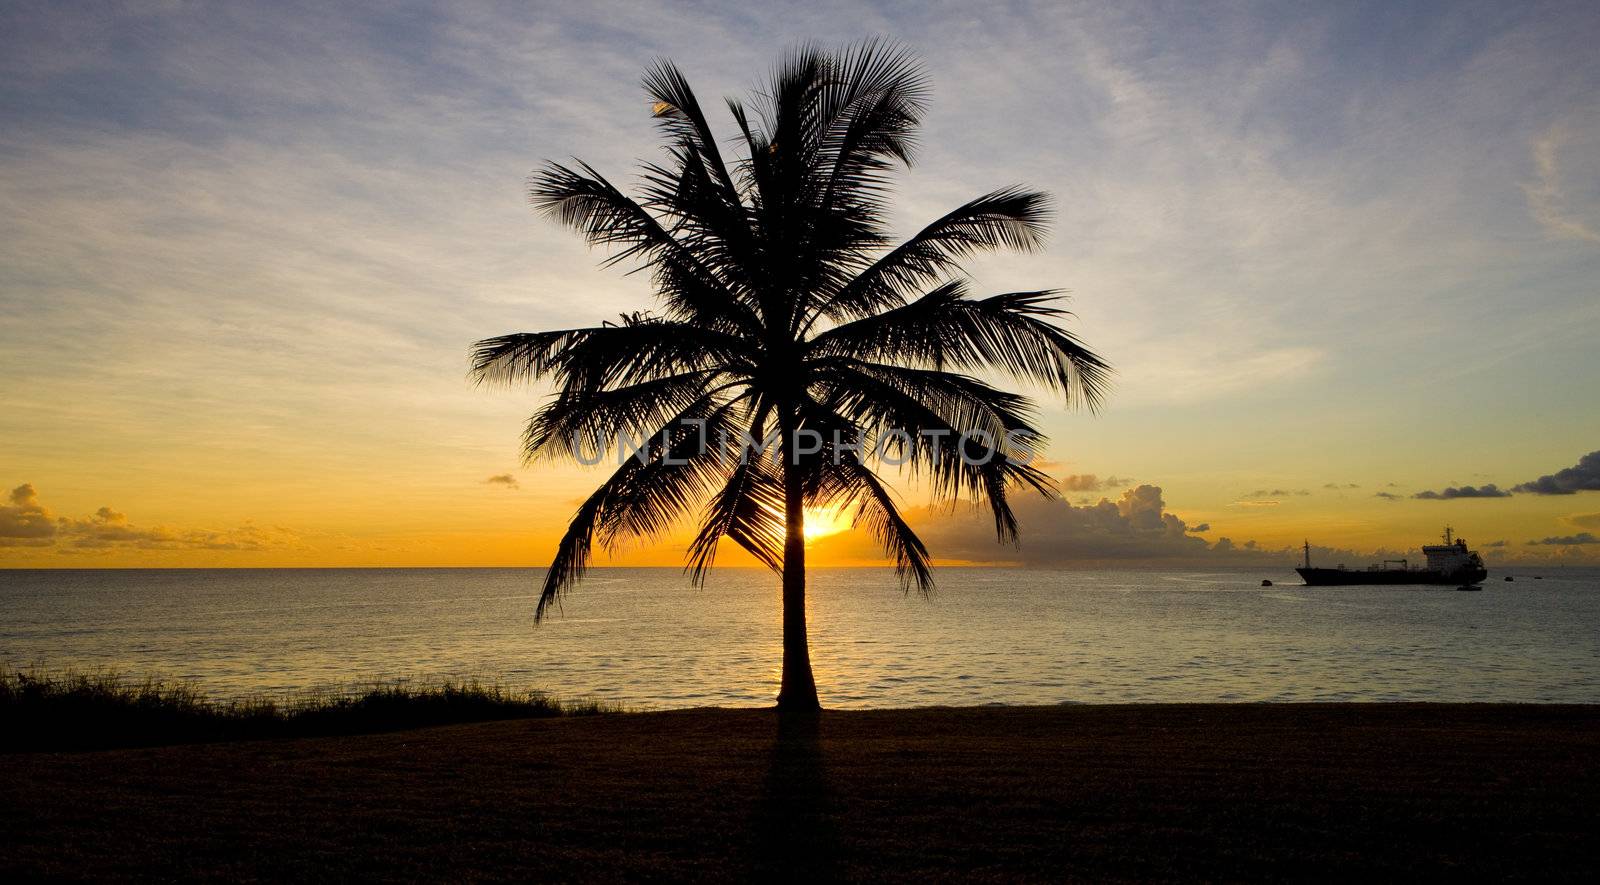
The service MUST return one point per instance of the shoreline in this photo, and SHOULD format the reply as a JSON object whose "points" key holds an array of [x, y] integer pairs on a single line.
{"points": [[1118, 791]]}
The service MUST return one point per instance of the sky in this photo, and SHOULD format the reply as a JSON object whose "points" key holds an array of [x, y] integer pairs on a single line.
{"points": [[1344, 258]]}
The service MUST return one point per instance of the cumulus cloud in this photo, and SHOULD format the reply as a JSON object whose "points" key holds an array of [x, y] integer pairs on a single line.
{"points": [[1567, 540], [23, 521], [1582, 477], [27, 523], [1135, 526], [1489, 490], [108, 528], [503, 479], [1081, 482]]}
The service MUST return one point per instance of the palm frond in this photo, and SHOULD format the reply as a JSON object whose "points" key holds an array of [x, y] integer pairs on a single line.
{"points": [[585, 423], [958, 464], [1014, 332], [869, 392], [749, 510], [678, 111], [585, 201], [643, 498], [852, 485], [873, 106], [783, 302], [632, 351], [1011, 218]]}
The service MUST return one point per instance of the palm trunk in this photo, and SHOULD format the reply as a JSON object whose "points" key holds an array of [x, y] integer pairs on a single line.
{"points": [[798, 691]]}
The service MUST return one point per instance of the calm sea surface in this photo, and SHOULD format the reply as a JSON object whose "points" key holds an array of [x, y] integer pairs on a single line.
{"points": [[647, 639]]}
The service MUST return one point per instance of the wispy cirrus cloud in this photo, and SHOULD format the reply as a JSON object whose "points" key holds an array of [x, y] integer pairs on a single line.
{"points": [[1548, 194]]}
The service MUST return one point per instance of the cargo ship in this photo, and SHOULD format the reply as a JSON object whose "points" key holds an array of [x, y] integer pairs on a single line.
{"points": [[1448, 563]]}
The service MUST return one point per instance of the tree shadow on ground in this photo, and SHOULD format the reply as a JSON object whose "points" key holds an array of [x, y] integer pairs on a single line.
{"points": [[793, 836]]}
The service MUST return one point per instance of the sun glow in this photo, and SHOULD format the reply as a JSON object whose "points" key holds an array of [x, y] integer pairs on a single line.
{"points": [[824, 521]]}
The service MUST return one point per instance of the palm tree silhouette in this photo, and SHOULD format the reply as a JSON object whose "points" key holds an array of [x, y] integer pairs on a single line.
{"points": [[786, 318]]}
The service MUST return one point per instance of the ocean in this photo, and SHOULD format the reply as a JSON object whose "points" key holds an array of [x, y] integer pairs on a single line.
{"points": [[647, 639]]}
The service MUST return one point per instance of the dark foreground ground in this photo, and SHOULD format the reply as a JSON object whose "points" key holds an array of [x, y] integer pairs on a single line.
{"points": [[1162, 792]]}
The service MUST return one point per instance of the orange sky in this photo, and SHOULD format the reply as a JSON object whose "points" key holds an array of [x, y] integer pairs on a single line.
{"points": [[239, 276]]}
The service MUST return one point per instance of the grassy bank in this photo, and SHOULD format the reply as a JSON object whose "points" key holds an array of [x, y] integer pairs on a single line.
{"points": [[1209, 792], [81, 711]]}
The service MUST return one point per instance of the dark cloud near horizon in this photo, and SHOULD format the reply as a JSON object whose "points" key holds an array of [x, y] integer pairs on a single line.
{"points": [[1489, 490], [1081, 482], [503, 479], [1388, 496], [1581, 477], [1338, 486], [1135, 526], [1089, 482], [1566, 540], [26, 523], [1276, 493], [23, 520]]}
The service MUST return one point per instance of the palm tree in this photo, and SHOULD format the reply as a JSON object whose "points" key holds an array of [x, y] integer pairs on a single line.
{"points": [[786, 318]]}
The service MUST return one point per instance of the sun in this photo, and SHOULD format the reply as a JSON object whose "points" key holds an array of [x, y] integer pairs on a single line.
{"points": [[824, 521]]}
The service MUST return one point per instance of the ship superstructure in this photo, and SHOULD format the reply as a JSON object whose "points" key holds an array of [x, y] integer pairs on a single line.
{"points": [[1449, 563]]}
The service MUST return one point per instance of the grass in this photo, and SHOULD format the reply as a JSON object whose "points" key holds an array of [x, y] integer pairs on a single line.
{"points": [[71, 710]]}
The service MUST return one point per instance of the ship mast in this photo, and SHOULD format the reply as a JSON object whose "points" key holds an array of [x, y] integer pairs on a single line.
{"points": [[1447, 536], [1308, 552]]}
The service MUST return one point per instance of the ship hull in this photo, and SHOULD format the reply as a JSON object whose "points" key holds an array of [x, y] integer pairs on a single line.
{"points": [[1338, 577]]}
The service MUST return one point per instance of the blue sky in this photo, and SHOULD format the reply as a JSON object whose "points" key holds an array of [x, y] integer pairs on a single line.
{"points": [[245, 247]]}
